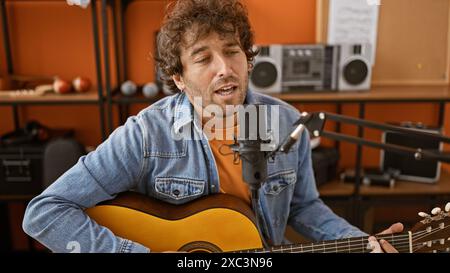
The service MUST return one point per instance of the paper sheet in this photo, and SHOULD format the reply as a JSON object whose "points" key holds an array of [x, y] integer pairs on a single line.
{"points": [[354, 21]]}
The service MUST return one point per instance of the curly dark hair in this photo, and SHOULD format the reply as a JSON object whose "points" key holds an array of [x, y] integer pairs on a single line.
{"points": [[224, 17]]}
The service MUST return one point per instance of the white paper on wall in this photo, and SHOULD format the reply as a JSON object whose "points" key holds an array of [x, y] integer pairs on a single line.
{"points": [[354, 21]]}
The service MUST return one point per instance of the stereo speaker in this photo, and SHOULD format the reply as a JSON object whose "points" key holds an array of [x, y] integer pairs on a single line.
{"points": [[266, 76], [355, 67]]}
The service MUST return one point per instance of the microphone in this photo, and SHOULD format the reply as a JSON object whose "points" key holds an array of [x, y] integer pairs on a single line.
{"points": [[313, 122], [252, 135], [294, 136], [251, 148]]}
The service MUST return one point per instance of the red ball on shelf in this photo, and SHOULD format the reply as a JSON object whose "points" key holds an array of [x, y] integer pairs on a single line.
{"points": [[61, 86], [81, 84]]}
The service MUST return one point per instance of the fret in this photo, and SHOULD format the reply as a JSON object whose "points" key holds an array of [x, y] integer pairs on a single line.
{"points": [[348, 241], [323, 244], [335, 244], [368, 249], [307, 248], [410, 250], [362, 244]]}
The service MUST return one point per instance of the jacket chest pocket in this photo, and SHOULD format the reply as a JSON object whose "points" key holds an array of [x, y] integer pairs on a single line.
{"points": [[179, 190], [277, 182]]}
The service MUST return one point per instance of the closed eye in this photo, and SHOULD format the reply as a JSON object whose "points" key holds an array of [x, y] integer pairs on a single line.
{"points": [[202, 60], [233, 52]]}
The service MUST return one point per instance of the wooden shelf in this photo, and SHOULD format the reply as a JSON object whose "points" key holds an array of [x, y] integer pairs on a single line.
{"points": [[376, 94], [336, 188], [411, 188], [119, 98], [341, 189], [72, 98], [20, 198]]}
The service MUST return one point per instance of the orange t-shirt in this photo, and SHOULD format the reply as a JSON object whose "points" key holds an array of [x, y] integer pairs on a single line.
{"points": [[230, 174]]}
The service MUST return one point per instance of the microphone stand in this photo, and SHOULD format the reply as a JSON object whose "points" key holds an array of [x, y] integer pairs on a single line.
{"points": [[315, 122], [255, 160]]}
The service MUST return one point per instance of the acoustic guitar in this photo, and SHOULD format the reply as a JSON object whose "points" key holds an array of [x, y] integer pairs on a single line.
{"points": [[224, 223]]}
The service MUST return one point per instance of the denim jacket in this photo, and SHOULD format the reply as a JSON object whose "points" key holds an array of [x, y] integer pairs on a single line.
{"points": [[142, 155]]}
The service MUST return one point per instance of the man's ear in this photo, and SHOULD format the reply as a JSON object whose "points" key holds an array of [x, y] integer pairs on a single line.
{"points": [[179, 82], [249, 67]]}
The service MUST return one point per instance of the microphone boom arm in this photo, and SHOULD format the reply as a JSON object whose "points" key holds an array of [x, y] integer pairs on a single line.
{"points": [[315, 122]]}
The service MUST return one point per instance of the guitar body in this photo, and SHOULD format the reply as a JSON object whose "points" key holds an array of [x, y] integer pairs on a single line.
{"points": [[224, 223], [216, 223]]}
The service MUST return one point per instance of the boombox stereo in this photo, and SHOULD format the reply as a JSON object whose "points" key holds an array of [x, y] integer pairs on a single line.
{"points": [[410, 169], [317, 67]]}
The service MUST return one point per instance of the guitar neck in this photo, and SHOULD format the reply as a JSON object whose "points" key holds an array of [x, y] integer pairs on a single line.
{"points": [[350, 245]]}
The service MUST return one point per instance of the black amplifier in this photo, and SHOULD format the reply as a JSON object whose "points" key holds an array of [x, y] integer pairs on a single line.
{"points": [[325, 162], [427, 171], [21, 169]]}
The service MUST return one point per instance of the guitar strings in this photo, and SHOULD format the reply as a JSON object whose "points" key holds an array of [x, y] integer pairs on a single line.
{"points": [[400, 244], [348, 246], [351, 242], [428, 233], [432, 231]]}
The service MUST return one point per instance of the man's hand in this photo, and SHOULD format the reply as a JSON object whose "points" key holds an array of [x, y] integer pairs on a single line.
{"points": [[383, 245]]}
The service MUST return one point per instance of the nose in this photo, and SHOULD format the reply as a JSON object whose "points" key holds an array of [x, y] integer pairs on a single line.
{"points": [[223, 66]]}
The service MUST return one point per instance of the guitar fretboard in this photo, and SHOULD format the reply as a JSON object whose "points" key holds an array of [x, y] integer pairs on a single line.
{"points": [[349, 245]]}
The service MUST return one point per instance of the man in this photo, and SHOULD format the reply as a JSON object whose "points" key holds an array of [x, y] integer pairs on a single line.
{"points": [[206, 49]]}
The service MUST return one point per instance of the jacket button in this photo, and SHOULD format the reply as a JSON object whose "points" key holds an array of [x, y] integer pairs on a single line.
{"points": [[176, 192], [275, 188]]}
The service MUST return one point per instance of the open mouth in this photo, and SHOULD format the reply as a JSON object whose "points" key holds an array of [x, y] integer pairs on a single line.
{"points": [[227, 90]]}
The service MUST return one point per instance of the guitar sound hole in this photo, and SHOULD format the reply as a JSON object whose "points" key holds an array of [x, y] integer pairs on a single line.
{"points": [[200, 247]]}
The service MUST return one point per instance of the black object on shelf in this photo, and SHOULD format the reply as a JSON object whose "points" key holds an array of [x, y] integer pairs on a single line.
{"points": [[21, 169], [371, 177], [411, 169], [60, 155], [325, 161], [22, 156]]}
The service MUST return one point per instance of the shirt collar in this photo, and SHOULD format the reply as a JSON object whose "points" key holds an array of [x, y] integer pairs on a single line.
{"points": [[184, 110]]}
